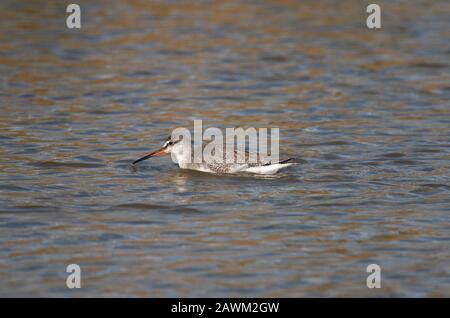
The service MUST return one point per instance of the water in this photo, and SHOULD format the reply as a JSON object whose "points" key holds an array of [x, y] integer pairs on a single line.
{"points": [[366, 111]]}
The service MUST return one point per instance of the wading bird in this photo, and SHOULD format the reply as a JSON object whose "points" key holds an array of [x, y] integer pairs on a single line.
{"points": [[184, 157]]}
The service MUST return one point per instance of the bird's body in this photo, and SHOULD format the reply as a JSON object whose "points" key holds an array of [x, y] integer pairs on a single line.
{"points": [[243, 162]]}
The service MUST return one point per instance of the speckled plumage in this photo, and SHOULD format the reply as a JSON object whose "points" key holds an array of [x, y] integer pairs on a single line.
{"points": [[243, 161]]}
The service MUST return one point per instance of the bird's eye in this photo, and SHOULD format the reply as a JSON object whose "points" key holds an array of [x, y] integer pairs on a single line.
{"points": [[170, 142]]}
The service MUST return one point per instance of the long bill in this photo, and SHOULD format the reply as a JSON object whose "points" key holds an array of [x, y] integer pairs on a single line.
{"points": [[159, 152]]}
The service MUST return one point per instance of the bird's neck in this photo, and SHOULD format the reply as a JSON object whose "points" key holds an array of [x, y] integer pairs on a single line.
{"points": [[181, 156]]}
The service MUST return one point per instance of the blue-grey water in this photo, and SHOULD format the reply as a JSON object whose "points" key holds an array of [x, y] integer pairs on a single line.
{"points": [[367, 112]]}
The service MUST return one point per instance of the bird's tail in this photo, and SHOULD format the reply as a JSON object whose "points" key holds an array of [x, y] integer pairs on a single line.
{"points": [[280, 162], [287, 160]]}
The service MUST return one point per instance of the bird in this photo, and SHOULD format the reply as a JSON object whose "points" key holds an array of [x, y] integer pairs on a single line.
{"points": [[180, 149]]}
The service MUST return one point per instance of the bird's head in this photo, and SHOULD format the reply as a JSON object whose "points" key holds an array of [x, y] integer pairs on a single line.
{"points": [[166, 148]]}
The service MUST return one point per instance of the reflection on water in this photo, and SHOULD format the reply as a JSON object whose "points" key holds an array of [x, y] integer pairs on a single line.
{"points": [[366, 111]]}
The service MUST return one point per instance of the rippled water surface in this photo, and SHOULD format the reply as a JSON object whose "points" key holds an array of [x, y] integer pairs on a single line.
{"points": [[366, 111]]}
